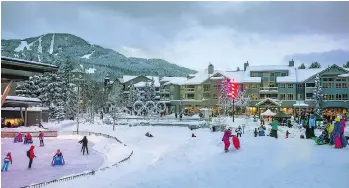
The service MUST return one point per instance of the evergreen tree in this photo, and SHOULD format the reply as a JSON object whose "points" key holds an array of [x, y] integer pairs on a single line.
{"points": [[346, 65], [116, 100], [314, 65], [302, 66], [152, 90], [56, 97], [70, 89], [317, 95]]}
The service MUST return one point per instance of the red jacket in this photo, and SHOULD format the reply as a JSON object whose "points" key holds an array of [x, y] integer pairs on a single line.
{"points": [[41, 135], [31, 152], [9, 157], [29, 136]]}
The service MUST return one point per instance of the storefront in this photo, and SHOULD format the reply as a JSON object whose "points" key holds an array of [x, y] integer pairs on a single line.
{"points": [[12, 117]]}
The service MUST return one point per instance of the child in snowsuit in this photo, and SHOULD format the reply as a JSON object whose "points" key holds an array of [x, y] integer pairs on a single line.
{"points": [[225, 139], [59, 154], [287, 133], [84, 142], [255, 132], [7, 161], [148, 134], [25, 140], [238, 131], [31, 156], [41, 138], [193, 135], [29, 138]]}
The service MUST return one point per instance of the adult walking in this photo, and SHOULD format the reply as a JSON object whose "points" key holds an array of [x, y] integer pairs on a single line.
{"points": [[84, 142], [312, 123], [31, 155], [274, 128]]}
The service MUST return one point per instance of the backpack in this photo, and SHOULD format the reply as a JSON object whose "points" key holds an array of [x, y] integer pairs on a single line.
{"points": [[28, 154]]}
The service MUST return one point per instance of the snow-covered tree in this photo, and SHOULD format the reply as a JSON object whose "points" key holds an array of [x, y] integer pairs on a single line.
{"points": [[56, 97], [152, 90], [314, 65], [116, 100], [70, 89], [225, 101], [242, 100], [133, 96], [302, 66], [317, 95]]}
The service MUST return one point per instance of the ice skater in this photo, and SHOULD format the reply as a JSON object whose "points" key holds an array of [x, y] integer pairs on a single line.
{"points": [[84, 142], [7, 161], [31, 155], [41, 138]]}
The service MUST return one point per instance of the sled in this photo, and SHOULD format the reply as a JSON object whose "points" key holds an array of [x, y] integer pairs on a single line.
{"points": [[236, 142], [57, 160], [261, 133], [344, 141], [319, 142]]}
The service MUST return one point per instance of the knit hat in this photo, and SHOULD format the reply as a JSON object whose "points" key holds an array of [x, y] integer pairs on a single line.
{"points": [[337, 119]]}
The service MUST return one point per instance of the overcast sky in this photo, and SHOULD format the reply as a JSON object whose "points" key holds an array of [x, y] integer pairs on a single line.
{"points": [[190, 34]]}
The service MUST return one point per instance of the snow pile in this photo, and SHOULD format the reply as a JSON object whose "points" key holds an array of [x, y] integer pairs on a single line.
{"points": [[59, 126]]}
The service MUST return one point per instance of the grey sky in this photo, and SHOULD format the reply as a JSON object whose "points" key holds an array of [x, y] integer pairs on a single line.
{"points": [[190, 34]]}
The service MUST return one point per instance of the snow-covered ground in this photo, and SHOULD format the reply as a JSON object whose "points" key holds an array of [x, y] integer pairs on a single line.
{"points": [[18, 174], [173, 159]]}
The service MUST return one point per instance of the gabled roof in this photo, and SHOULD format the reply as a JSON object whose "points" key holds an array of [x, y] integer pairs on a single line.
{"points": [[270, 100], [304, 74], [334, 65]]}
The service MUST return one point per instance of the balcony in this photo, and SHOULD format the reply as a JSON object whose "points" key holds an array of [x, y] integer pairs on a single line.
{"points": [[189, 90], [268, 90]]}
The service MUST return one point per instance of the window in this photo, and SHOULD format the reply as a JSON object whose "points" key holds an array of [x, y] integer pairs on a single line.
{"points": [[325, 85], [338, 85], [338, 79], [344, 85], [338, 97], [331, 79], [206, 87], [310, 84], [309, 95], [246, 86], [282, 96], [206, 95], [299, 85], [253, 97], [330, 85], [254, 74], [190, 96], [282, 85], [289, 86], [344, 80], [325, 79], [272, 74], [345, 97], [283, 74], [289, 96]]}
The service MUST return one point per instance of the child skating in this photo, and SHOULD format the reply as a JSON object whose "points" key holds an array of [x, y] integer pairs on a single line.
{"points": [[7, 161]]}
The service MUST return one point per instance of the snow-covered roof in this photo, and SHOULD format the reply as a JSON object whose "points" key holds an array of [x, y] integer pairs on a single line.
{"points": [[290, 78], [198, 78], [237, 76], [304, 74], [31, 109], [248, 79], [27, 99], [126, 78], [167, 79], [344, 75], [177, 81], [268, 99]]}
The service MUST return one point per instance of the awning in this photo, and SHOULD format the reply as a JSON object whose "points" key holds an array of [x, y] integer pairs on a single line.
{"points": [[300, 104], [268, 113]]}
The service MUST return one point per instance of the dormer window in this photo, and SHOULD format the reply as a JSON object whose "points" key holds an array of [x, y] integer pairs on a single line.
{"points": [[283, 74]]}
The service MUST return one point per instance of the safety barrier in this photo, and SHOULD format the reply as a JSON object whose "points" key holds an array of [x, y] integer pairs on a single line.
{"points": [[92, 172], [12, 134]]}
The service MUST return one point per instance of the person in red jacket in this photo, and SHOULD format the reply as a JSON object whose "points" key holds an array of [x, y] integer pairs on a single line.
{"points": [[31, 156], [287, 133], [41, 138], [29, 138], [193, 135], [7, 161]]}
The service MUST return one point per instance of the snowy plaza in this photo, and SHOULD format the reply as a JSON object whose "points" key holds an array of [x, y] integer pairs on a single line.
{"points": [[172, 158]]}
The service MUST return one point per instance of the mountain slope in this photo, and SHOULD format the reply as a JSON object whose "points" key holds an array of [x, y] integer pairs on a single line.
{"points": [[56, 48]]}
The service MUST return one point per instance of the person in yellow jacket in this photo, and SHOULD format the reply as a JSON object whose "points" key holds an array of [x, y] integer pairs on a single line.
{"points": [[330, 128]]}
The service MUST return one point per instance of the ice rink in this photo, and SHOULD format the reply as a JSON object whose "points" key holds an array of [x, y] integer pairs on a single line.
{"points": [[18, 174]]}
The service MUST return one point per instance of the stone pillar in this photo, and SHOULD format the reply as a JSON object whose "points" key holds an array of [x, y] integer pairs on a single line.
{"points": [[26, 117]]}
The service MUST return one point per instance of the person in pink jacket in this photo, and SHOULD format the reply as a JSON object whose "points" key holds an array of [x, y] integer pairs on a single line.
{"points": [[225, 139], [342, 126]]}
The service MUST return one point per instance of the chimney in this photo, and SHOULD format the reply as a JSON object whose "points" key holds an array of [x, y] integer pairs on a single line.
{"points": [[291, 63], [106, 81], [246, 65], [210, 68]]}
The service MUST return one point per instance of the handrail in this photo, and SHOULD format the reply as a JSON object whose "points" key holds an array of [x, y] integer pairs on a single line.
{"points": [[92, 172]]}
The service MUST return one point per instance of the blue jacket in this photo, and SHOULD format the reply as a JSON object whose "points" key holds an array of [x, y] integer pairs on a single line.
{"points": [[337, 129], [311, 122]]}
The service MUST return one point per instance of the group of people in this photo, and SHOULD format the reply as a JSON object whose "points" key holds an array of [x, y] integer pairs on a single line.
{"points": [[28, 138], [333, 134]]}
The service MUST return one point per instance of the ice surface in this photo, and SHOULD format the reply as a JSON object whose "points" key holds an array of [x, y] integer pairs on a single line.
{"points": [[173, 159], [18, 174]]}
